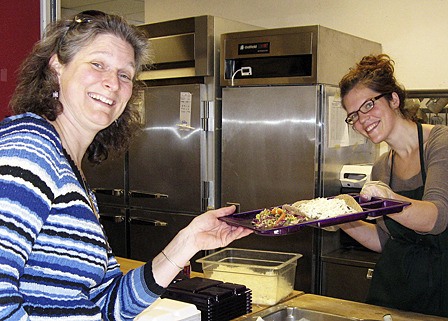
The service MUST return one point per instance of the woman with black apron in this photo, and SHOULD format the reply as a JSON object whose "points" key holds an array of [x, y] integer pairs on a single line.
{"points": [[412, 272]]}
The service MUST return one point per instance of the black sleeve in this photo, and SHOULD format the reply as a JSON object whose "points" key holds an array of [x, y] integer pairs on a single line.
{"points": [[150, 281]]}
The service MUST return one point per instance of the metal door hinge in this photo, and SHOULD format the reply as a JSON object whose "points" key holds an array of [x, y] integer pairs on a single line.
{"points": [[208, 113], [206, 196]]}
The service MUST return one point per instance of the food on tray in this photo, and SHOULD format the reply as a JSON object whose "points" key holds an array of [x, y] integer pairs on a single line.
{"points": [[314, 209], [350, 201], [277, 216], [321, 207]]}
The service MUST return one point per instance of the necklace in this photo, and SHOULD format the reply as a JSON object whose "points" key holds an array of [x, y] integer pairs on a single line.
{"points": [[83, 181], [89, 196]]}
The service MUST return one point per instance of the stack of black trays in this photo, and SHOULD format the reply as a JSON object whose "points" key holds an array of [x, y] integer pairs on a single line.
{"points": [[217, 301]]}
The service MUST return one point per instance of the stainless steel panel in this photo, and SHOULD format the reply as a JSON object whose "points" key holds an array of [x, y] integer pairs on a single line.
{"points": [[269, 157], [173, 48], [268, 145], [109, 179], [165, 158], [188, 47]]}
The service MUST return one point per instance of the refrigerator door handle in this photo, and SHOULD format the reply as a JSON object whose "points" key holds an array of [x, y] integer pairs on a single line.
{"points": [[237, 205], [138, 194], [107, 191], [147, 221], [112, 217]]}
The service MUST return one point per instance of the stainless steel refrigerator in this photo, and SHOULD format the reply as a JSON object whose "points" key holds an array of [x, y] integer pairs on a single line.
{"points": [[171, 172], [283, 133], [161, 183], [174, 160]]}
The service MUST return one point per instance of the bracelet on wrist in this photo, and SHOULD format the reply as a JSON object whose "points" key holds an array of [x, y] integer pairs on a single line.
{"points": [[173, 263]]}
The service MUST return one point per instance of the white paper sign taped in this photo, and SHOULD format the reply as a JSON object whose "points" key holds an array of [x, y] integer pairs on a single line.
{"points": [[185, 111]]}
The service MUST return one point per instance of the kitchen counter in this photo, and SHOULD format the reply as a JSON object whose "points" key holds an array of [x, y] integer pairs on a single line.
{"points": [[321, 303], [126, 264]]}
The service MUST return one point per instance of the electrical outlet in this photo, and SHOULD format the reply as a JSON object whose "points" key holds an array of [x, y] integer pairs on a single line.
{"points": [[246, 71]]}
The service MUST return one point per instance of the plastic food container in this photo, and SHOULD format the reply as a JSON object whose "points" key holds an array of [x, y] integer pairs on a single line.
{"points": [[270, 275]]}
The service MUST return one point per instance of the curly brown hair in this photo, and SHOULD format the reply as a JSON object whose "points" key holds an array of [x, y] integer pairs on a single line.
{"points": [[375, 73], [37, 81]]}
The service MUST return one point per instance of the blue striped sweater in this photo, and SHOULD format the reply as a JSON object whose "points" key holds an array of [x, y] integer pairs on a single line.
{"points": [[55, 263]]}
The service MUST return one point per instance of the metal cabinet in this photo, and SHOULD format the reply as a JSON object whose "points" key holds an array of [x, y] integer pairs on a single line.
{"points": [[347, 273], [113, 220], [151, 231]]}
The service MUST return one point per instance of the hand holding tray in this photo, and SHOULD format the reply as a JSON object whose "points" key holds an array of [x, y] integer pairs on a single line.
{"points": [[372, 209]]}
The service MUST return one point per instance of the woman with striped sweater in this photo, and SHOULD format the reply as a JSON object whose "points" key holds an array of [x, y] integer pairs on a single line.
{"points": [[74, 97]]}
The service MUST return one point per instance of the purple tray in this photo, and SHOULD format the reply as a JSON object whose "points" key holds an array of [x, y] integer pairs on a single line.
{"points": [[374, 208]]}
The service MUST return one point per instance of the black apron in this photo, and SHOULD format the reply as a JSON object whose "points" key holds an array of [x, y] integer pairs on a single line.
{"points": [[411, 273]]}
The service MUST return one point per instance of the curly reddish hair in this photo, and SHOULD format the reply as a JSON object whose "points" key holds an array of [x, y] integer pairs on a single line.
{"points": [[375, 72]]}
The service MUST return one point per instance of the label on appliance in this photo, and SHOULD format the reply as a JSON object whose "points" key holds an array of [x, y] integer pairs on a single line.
{"points": [[185, 111], [254, 48]]}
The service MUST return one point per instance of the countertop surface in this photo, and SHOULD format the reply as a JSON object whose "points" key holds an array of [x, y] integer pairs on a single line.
{"points": [[321, 303]]}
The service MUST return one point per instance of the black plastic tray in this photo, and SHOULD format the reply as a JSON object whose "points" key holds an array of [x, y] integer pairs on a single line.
{"points": [[217, 300], [374, 208]]}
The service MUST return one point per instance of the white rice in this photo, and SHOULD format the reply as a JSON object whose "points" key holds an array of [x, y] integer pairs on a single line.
{"points": [[321, 208]]}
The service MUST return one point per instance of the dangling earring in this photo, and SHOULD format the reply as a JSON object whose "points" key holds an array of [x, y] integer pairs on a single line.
{"points": [[116, 122], [55, 95]]}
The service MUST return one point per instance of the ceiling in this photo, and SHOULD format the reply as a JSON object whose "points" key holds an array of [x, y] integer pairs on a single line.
{"points": [[132, 10]]}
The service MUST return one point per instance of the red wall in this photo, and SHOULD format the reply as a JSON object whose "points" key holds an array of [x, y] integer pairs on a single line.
{"points": [[19, 30]]}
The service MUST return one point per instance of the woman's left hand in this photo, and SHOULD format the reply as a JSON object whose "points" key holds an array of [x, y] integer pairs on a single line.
{"points": [[376, 189]]}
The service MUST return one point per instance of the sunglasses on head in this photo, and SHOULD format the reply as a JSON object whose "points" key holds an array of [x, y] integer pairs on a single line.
{"points": [[80, 19]]}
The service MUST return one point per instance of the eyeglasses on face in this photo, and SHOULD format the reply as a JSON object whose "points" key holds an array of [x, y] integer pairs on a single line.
{"points": [[365, 108]]}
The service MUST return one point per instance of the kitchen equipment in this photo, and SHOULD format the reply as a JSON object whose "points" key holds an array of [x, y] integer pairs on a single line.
{"points": [[269, 275], [171, 172], [412, 104], [436, 105], [372, 209], [217, 301], [356, 175], [431, 101], [422, 117], [436, 120], [283, 132], [414, 107]]}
